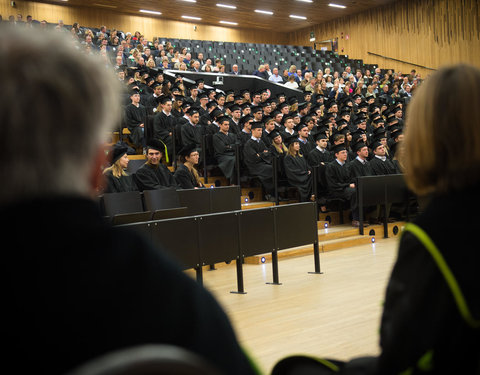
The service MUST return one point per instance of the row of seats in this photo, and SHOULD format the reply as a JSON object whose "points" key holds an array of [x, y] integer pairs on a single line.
{"points": [[248, 56], [135, 206]]}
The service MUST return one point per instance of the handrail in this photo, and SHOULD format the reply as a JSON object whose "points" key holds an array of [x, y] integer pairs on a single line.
{"points": [[402, 61]]}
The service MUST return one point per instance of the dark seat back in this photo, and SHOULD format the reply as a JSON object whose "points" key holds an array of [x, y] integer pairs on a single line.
{"points": [[146, 360]]}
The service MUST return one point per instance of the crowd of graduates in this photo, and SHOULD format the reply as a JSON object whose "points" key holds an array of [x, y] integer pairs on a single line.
{"points": [[347, 124]]}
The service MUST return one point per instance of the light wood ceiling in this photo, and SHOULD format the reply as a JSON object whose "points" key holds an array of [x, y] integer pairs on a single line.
{"points": [[316, 11]]}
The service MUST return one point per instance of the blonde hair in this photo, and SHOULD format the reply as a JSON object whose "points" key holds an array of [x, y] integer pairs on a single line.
{"points": [[117, 170], [442, 136], [293, 152]]}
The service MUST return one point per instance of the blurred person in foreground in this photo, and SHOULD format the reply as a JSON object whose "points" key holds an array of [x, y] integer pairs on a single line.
{"points": [[74, 288], [431, 317]]}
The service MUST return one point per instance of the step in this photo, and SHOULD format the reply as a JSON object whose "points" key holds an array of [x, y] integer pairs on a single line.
{"points": [[333, 238], [262, 204]]}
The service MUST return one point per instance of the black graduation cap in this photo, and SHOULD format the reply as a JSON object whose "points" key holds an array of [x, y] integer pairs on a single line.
{"points": [[358, 146], [235, 107], [164, 98], [292, 100], [274, 134], [290, 139], [375, 145], [300, 126], [223, 118], [245, 119], [156, 145], [134, 91], [267, 119], [286, 117], [203, 95], [319, 134], [192, 110], [117, 152], [302, 106], [179, 97], [216, 113], [256, 108], [282, 105], [257, 124], [211, 103], [187, 149], [339, 147]]}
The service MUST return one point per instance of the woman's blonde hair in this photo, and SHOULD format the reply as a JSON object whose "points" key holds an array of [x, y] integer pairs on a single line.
{"points": [[442, 133], [117, 170], [293, 152]]}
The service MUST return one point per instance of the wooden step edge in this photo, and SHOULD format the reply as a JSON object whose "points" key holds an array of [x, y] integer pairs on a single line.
{"points": [[334, 244], [261, 204]]}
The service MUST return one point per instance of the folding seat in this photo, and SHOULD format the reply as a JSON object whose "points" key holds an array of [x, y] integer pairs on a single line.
{"points": [[164, 204], [123, 208]]}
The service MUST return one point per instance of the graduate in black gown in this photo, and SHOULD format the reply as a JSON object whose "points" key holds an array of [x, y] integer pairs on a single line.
{"points": [[320, 155], [154, 174], [380, 164], [163, 126], [116, 178], [224, 146], [258, 159], [297, 170], [135, 119], [186, 175], [339, 182], [278, 150]]}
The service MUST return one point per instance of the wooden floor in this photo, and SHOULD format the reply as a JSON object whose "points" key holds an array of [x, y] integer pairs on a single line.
{"points": [[335, 314]]}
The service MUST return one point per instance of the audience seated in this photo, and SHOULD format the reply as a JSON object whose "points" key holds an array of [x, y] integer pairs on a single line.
{"points": [[340, 103]]}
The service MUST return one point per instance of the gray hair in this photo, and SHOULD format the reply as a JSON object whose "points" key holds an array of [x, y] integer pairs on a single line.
{"points": [[56, 109]]}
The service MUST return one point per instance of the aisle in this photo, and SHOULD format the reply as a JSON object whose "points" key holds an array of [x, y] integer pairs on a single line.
{"points": [[336, 314]]}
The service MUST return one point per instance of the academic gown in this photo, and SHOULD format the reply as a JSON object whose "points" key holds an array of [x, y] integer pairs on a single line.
{"points": [[297, 172], [185, 179], [191, 134], [119, 184], [338, 181], [317, 157], [163, 126], [149, 177], [258, 161], [359, 169], [380, 167], [224, 146], [134, 116]]}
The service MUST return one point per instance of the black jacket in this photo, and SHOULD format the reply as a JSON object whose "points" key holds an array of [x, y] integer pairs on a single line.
{"points": [[75, 288]]}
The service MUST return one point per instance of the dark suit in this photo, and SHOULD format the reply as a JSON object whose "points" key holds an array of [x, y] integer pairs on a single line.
{"points": [[95, 288]]}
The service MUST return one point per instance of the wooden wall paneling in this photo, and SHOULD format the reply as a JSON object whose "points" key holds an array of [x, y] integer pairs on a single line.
{"points": [[430, 33], [148, 26]]}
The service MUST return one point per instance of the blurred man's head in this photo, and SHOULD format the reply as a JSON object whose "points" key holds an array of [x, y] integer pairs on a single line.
{"points": [[56, 109]]}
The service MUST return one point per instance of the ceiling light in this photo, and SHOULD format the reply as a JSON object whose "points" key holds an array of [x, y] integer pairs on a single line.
{"points": [[298, 17], [192, 18], [150, 11], [227, 6], [228, 23], [190, 1], [263, 11], [336, 6]]}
